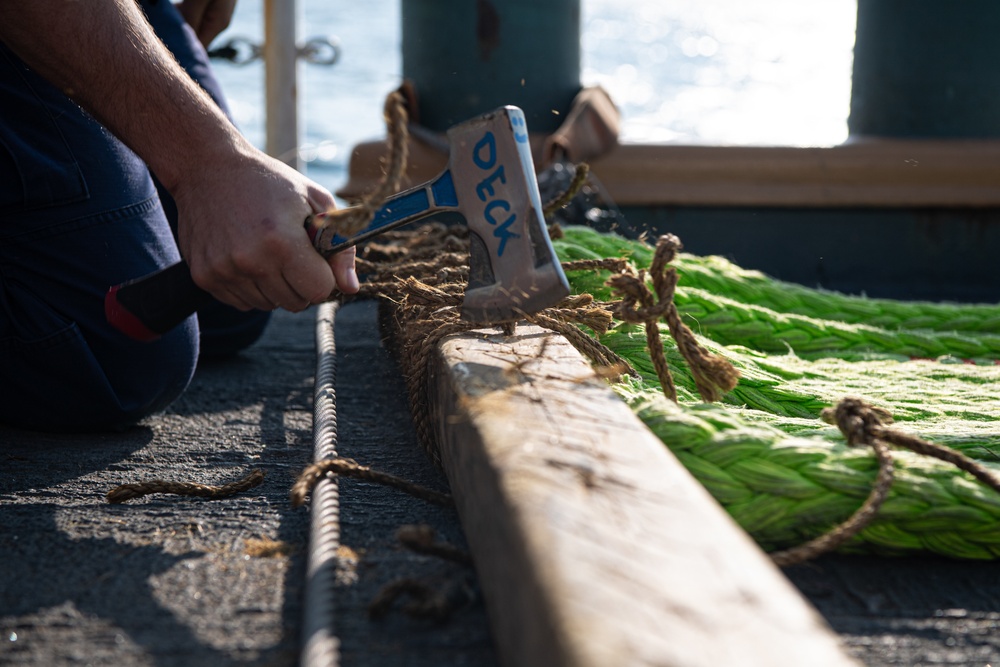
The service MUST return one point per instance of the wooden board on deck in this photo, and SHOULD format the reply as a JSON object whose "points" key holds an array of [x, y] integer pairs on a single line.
{"points": [[594, 546]]}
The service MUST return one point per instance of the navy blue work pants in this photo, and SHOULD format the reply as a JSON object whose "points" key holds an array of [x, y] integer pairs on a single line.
{"points": [[79, 212]]}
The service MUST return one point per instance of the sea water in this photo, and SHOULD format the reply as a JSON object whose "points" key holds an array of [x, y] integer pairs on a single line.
{"points": [[773, 72]]}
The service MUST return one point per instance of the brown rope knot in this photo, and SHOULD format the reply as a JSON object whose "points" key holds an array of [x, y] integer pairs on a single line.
{"points": [[421, 539], [638, 304], [872, 422], [865, 424], [857, 420], [713, 375], [346, 467], [861, 424]]}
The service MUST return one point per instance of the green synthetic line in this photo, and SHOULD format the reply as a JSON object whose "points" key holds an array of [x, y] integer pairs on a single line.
{"points": [[785, 489], [789, 386], [720, 276], [722, 317], [784, 475]]}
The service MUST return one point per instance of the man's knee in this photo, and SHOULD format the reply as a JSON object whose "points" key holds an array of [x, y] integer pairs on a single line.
{"points": [[66, 384]]}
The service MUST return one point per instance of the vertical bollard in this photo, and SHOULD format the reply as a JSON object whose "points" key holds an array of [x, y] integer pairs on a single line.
{"points": [[926, 68], [467, 57]]}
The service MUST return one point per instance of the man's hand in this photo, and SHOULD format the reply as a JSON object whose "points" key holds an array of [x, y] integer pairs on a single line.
{"points": [[208, 18], [241, 212], [241, 231]]}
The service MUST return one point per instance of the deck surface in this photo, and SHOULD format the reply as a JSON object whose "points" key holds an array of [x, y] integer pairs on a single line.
{"points": [[168, 581]]}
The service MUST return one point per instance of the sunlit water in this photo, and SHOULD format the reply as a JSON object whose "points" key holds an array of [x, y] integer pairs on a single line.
{"points": [[689, 71]]}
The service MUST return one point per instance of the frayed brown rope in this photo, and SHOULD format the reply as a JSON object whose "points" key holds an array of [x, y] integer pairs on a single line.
{"points": [[867, 420], [588, 346], [426, 602], [425, 310], [438, 296], [416, 381], [582, 309], [420, 538], [597, 318], [713, 375], [864, 424], [441, 270], [614, 264], [432, 313], [860, 423], [347, 222], [577, 301], [345, 467], [579, 179], [126, 492]]}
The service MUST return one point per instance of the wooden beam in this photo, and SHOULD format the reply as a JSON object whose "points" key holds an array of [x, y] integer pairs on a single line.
{"points": [[863, 173], [894, 173], [594, 546]]}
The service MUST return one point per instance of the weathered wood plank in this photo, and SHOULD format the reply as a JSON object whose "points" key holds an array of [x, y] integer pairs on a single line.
{"points": [[874, 172], [865, 172], [594, 546]]}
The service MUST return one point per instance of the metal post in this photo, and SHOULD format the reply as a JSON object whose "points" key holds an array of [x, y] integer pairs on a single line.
{"points": [[468, 57], [320, 644], [926, 68], [281, 80]]}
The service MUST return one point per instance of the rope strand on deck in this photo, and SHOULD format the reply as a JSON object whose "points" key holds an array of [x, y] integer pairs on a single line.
{"points": [[127, 492], [345, 467]]}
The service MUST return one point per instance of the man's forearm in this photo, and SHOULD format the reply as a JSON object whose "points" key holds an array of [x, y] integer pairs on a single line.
{"points": [[240, 212], [104, 55]]}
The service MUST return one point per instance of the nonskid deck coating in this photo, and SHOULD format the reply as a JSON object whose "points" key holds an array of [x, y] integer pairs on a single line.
{"points": [[167, 581]]}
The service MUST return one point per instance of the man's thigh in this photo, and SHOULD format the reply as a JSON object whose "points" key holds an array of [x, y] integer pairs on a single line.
{"points": [[61, 365], [78, 213]]}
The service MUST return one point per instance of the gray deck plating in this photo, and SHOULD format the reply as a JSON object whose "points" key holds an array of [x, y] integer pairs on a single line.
{"points": [[168, 581], [164, 581]]}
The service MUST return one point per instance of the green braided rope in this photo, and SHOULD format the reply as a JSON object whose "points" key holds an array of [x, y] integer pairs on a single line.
{"points": [[784, 475], [720, 276], [976, 439], [785, 490], [789, 386], [732, 322]]}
